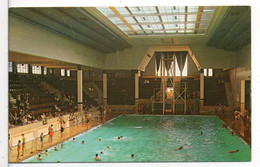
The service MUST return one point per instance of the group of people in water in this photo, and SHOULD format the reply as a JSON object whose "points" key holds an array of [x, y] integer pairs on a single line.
{"points": [[46, 152], [21, 144]]}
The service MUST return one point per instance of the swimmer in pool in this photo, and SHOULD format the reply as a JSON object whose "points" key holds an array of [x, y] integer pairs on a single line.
{"points": [[83, 142], [45, 153], [55, 149], [74, 140], [97, 158], [108, 148], [39, 157], [121, 137], [133, 156], [99, 139], [61, 146], [233, 151], [101, 152], [180, 148], [118, 138], [201, 133], [231, 132]]}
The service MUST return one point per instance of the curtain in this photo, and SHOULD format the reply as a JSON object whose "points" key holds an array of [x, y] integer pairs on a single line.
{"points": [[181, 59]]}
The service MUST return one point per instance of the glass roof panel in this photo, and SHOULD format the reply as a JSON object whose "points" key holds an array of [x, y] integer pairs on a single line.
{"points": [[147, 20], [122, 10], [116, 20], [136, 27], [130, 20], [192, 17], [193, 9]]}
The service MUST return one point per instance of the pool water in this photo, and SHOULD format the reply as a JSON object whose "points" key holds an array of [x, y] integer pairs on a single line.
{"points": [[155, 139]]}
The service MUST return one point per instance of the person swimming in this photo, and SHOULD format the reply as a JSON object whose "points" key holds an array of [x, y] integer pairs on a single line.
{"points": [[61, 146], [45, 153], [133, 156], [40, 157], [55, 149], [99, 139], [118, 138], [108, 148], [97, 158], [101, 152], [201, 133], [180, 148], [224, 126], [83, 142], [74, 140], [233, 151], [231, 132]]}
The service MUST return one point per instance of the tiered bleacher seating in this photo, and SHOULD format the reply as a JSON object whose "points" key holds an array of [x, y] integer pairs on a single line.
{"points": [[69, 87], [40, 100]]}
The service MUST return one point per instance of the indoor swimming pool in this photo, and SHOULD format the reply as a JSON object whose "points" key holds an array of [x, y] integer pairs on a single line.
{"points": [[153, 139]]}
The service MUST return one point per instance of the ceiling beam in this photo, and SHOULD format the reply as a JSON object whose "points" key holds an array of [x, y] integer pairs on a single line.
{"points": [[199, 18], [135, 19], [170, 22], [186, 18], [163, 14], [60, 66], [83, 27], [172, 29], [168, 34], [157, 10], [238, 28], [239, 42], [86, 13], [123, 19], [41, 20]]}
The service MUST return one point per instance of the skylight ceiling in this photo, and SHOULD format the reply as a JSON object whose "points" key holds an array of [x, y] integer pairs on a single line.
{"points": [[161, 20]]}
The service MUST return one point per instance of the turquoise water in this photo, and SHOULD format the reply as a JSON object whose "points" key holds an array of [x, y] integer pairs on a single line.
{"points": [[154, 138]]}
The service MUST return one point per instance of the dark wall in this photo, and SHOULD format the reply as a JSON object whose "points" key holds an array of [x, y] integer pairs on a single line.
{"points": [[121, 91]]}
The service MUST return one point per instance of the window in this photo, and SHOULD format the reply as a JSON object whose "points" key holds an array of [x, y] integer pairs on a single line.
{"points": [[36, 69], [45, 71], [22, 68], [68, 73], [177, 70], [205, 72], [208, 72], [10, 66], [62, 72], [185, 68]]}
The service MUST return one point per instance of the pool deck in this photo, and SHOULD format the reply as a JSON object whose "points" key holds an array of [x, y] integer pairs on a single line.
{"points": [[32, 147]]}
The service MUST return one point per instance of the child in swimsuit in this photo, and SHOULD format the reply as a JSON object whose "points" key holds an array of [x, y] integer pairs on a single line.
{"points": [[18, 149]]}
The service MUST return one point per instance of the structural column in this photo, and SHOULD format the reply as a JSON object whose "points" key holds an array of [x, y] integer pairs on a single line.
{"points": [[104, 89], [242, 95], [80, 88], [136, 91], [201, 90]]}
